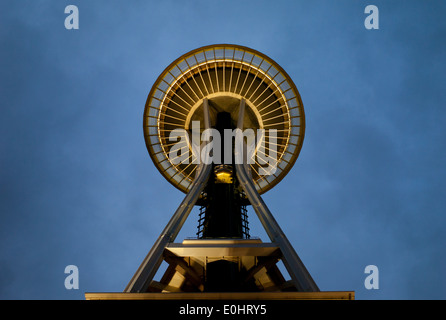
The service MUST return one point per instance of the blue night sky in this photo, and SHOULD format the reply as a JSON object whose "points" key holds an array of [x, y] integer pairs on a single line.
{"points": [[77, 186]]}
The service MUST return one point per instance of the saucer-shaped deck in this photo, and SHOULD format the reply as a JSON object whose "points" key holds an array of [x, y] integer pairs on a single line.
{"points": [[224, 74]]}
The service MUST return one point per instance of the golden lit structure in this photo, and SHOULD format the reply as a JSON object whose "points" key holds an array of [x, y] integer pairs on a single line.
{"points": [[223, 174], [223, 87], [223, 74]]}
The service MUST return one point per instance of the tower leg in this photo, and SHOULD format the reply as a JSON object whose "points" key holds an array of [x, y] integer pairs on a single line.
{"points": [[297, 270], [148, 268]]}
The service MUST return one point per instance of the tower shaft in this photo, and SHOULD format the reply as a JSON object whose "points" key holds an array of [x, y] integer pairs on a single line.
{"points": [[223, 208]]}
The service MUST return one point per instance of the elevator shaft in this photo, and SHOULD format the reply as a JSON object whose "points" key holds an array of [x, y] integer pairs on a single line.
{"points": [[225, 215]]}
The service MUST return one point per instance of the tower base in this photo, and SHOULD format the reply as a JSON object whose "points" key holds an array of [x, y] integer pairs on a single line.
{"points": [[222, 269], [321, 295]]}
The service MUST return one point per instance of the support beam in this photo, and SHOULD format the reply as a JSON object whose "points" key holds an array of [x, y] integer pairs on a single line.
{"points": [[299, 274], [168, 274], [187, 271], [147, 270], [266, 263], [156, 286]]}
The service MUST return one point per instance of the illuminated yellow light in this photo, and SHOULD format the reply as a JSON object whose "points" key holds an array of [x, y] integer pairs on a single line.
{"points": [[223, 174], [223, 177]]}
